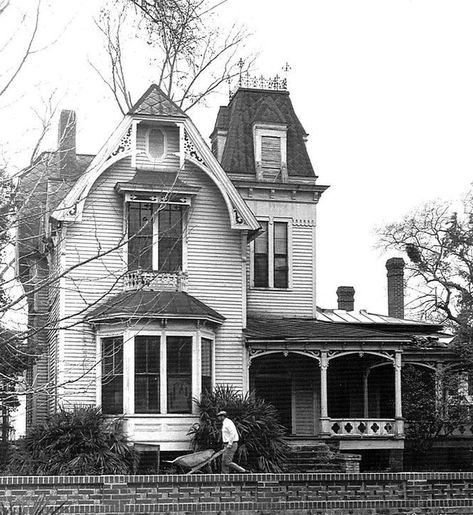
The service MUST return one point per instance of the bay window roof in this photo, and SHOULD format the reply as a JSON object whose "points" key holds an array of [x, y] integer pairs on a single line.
{"points": [[156, 182], [154, 304]]}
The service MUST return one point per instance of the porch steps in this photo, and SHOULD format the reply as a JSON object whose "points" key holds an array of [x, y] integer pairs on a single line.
{"points": [[315, 457]]}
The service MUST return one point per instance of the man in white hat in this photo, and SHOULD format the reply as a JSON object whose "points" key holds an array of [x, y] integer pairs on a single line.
{"points": [[230, 442]]}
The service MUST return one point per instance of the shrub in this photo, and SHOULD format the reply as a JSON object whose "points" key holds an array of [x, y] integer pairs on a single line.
{"points": [[261, 446], [77, 442]]}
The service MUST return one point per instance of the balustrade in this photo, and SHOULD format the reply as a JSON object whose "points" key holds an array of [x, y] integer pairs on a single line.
{"points": [[362, 427], [155, 281]]}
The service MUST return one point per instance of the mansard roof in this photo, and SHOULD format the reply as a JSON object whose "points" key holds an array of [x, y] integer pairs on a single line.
{"points": [[260, 106], [144, 304], [154, 102]]}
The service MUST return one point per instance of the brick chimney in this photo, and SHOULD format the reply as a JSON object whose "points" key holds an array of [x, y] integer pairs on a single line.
{"points": [[395, 268], [67, 144], [346, 298]]}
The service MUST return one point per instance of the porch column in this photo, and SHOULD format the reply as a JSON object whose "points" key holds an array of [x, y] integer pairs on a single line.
{"points": [[324, 420], [398, 394], [365, 393]]}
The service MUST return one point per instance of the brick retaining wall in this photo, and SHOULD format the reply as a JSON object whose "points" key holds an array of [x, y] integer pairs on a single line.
{"points": [[433, 493]]}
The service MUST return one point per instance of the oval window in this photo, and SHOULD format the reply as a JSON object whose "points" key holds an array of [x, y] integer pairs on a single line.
{"points": [[156, 143]]}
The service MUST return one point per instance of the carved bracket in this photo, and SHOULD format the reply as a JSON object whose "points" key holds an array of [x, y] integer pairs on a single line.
{"points": [[191, 151]]}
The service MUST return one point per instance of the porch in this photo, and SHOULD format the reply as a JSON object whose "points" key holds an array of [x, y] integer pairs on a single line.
{"points": [[336, 395]]}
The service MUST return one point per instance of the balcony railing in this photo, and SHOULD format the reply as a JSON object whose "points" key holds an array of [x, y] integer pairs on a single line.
{"points": [[155, 281], [371, 427]]}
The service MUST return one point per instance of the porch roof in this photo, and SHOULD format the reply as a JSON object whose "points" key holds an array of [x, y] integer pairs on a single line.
{"points": [[311, 329], [154, 304]]}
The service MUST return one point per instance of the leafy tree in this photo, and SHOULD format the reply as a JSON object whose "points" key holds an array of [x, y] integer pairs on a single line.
{"points": [[434, 404], [77, 442], [438, 241], [261, 445]]}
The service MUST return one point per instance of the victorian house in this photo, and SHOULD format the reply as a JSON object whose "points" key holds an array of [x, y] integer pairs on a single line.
{"points": [[161, 267]]}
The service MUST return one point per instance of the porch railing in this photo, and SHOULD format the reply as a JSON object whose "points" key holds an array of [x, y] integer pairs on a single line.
{"points": [[145, 280], [363, 427]]}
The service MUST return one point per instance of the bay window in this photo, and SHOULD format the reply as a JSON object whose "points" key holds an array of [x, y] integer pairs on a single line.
{"points": [[154, 374]]}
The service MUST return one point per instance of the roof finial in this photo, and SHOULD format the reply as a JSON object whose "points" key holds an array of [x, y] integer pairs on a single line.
{"points": [[286, 69], [241, 64]]}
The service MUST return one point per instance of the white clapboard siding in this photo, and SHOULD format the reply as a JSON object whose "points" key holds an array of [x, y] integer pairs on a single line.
{"points": [[170, 162], [100, 231], [214, 266], [299, 299], [215, 272]]}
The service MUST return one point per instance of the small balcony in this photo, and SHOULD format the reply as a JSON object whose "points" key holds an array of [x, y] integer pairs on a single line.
{"points": [[155, 281]]}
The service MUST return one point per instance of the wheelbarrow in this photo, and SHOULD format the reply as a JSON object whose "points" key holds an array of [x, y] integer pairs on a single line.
{"points": [[199, 459], [195, 461]]}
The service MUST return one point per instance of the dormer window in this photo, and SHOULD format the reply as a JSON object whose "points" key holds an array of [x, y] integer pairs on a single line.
{"points": [[270, 147], [156, 144]]}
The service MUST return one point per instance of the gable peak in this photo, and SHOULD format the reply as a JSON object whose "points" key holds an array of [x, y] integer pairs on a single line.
{"points": [[154, 102]]}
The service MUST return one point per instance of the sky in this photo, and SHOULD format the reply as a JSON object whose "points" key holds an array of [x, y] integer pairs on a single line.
{"points": [[384, 89]]}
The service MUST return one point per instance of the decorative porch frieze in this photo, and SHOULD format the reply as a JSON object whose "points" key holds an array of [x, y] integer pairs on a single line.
{"points": [[256, 353]]}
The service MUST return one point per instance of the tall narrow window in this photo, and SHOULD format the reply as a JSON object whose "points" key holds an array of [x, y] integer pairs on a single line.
{"points": [[140, 236], [112, 375], [206, 383], [170, 238], [179, 374], [271, 152], [261, 261], [280, 255], [147, 374]]}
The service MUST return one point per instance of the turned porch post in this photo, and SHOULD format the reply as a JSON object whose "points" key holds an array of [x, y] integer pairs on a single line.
{"points": [[324, 420], [398, 394]]}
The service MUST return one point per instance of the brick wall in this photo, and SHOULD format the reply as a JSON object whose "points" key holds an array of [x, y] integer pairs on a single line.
{"points": [[302, 494]]}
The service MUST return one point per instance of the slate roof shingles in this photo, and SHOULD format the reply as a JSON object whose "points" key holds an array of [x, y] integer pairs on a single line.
{"points": [[250, 106]]}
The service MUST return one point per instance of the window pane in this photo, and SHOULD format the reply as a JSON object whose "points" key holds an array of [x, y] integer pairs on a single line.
{"points": [[179, 374], [280, 255], [147, 350], [261, 274], [170, 238], [112, 375], [140, 236], [206, 384]]}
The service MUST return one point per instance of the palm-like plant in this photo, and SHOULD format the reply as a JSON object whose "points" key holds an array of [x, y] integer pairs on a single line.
{"points": [[261, 446], [77, 442]]}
